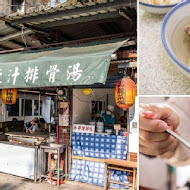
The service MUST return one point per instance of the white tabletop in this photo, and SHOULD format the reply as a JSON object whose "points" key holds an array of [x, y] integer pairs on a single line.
{"points": [[158, 74]]}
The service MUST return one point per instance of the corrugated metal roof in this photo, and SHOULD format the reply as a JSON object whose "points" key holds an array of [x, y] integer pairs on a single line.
{"points": [[7, 30], [59, 7], [53, 19], [72, 17], [4, 29], [68, 13]]}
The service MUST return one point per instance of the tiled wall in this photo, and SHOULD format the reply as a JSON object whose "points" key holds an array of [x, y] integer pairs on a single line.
{"points": [[133, 157], [126, 54], [64, 134]]}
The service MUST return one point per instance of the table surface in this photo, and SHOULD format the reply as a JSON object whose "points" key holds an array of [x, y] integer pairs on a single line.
{"points": [[49, 148], [157, 73], [28, 135], [20, 145], [123, 163]]}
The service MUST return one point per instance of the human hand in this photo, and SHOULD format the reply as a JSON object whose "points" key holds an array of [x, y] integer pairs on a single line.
{"points": [[30, 129], [154, 119], [97, 115]]}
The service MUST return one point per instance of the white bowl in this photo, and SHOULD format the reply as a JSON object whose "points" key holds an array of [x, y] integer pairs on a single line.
{"points": [[100, 124], [175, 40], [156, 9], [54, 145], [108, 130], [92, 123], [99, 127], [99, 130]]}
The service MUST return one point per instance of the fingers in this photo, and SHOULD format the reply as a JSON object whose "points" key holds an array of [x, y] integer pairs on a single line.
{"points": [[152, 125], [173, 147], [154, 146], [154, 119], [160, 111], [160, 148], [153, 136], [155, 152]]}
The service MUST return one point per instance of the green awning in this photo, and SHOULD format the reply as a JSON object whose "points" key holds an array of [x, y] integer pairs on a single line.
{"points": [[82, 64]]}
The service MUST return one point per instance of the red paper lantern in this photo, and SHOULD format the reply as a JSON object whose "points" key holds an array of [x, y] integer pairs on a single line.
{"points": [[125, 92], [133, 55], [9, 96]]}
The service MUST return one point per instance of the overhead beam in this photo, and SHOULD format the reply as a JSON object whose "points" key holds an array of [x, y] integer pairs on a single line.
{"points": [[43, 39], [4, 47], [104, 16], [33, 28], [38, 30], [19, 43], [77, 11], [13, 27], [14, 35], [85, 40], [15, 42]]}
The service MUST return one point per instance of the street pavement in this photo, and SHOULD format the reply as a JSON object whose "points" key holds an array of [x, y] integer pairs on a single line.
{"points": [[10, 182]]}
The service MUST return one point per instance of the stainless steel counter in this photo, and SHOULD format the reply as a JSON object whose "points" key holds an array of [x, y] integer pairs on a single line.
{"points": [[19, 160]]}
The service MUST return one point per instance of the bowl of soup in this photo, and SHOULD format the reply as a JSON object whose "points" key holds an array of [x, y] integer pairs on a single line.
{"points": [[158, 6], [175, 34]]}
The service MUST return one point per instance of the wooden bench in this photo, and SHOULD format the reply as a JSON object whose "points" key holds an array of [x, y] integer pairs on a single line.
{"points": [[120, 165]]}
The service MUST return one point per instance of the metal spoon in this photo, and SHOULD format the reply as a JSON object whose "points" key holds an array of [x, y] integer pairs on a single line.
{"points": [[187, 144]]}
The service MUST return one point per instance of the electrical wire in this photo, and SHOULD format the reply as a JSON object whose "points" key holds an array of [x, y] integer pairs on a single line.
{"points": [[92, 98], [89, 101], [81, 100]]}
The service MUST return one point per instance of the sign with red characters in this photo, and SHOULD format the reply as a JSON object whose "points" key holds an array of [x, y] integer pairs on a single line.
{"points": [[81, 128]]}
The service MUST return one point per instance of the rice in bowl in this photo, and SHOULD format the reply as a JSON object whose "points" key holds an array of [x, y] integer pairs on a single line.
{"points": [[161, 2]]}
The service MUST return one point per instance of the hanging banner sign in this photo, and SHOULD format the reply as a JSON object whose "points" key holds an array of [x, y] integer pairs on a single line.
{"points": [[77, 65]]}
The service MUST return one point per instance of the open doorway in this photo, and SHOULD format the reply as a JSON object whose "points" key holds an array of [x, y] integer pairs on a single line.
{"points": [[18, 5]]}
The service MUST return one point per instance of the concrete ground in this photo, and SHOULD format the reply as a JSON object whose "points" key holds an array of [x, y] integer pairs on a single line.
{"points": [[10, 182]]}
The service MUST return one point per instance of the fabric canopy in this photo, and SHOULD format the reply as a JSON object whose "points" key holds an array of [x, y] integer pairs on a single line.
{"points": [[82, 64]]}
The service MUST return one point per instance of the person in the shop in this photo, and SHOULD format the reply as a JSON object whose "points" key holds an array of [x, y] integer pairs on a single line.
{"points": [[43, 125], [123, 120], [54, 121], [32, 126], [109, 117], [154, 119]]}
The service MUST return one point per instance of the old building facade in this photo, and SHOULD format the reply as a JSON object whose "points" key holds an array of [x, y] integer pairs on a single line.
{"points": [[8, 7]]}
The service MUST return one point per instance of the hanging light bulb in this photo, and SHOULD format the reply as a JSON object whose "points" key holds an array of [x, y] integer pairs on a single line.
{"points": [[87, 91]]}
